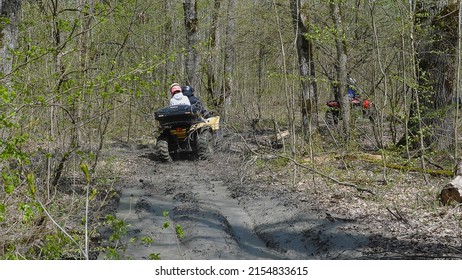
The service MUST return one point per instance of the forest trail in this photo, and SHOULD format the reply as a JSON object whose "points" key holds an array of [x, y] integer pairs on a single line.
{"points": [[221, 215]]}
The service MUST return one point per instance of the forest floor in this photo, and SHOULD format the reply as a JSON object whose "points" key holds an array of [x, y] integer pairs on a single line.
{"points": [[260, 207]]}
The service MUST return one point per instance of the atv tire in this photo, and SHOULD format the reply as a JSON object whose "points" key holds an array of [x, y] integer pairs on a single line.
{"points": [[162, 149], [204, 144]]}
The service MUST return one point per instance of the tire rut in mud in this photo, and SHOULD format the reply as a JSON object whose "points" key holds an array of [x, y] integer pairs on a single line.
{"points": [[221, 217], [215, 226]]}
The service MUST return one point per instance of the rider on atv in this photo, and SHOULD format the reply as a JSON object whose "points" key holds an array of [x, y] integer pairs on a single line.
{"points": [[196, 103]]}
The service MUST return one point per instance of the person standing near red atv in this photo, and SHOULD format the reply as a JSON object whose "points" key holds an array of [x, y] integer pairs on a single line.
{"points": [[333, 113]]}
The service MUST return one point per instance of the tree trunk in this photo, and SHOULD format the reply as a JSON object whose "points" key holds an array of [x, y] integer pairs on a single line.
{"points": [[9, 9], [458, 80], [86, 18], [306, 65], [210, 86], [341, 66], [167, 41], [437, 64], [227, 88], [192, 60], [453, 190]]}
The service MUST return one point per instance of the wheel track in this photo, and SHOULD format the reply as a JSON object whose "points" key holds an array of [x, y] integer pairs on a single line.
{"points": [[215, 225], [221, 217]]}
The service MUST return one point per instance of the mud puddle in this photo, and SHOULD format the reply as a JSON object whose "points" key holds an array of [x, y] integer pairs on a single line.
{"points": [[220, 217]]}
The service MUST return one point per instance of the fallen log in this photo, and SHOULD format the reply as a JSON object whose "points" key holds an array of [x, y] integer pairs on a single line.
{"points": [[452, 192], [406, 168]]}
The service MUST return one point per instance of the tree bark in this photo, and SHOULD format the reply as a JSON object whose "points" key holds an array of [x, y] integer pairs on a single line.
{"points": [[210, 86], [227, 88], [306, 64], [167, 41], [437, 63], [452, 192], [341, 83], [9, 10], [192, 60]]}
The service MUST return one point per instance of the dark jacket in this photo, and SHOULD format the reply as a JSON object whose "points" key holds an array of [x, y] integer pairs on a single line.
{"points": [[196, 103]]}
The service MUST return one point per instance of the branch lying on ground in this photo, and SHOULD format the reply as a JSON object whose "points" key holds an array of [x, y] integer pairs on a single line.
{"points": [[398, 216], [347, 184]]}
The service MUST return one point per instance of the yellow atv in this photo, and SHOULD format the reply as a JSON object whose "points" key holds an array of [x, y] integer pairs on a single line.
{"points": [[184, 130]]}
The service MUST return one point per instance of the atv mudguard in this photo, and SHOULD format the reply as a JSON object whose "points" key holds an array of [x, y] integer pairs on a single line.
{"points": [[213, 123]]}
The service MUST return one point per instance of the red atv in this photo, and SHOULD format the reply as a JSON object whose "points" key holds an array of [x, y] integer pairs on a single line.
{"points": [[333, 113]]}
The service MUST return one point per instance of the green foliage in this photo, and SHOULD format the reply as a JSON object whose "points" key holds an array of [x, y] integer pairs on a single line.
{"points": [[31, 182], [29, 211], [86, 172], [154, 256], [4, 21], [146, 240], [119, 228], [10, 180], [2, 212], [279, 162], [10, 253], [179, 231], [55, 246], [165, 213], [166, 225], [118, 232], [112, 254]]}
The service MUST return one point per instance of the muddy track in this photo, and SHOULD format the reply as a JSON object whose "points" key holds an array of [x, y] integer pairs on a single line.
{"points": [[222, 217]]}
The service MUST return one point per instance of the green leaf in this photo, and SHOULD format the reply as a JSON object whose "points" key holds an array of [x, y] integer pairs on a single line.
{"points": [[147, 240], [166, 225], [179, 231], [165, 213], [27, 211], [154, 256], [2, 212], [31, 182], [10, 181], [9, 189], [84, 168], [93, 194]]}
